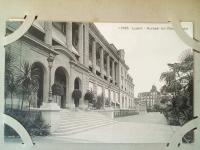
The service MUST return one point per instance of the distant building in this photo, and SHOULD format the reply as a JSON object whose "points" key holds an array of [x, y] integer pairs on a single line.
{"points": [[140, 105], [150, 98]]}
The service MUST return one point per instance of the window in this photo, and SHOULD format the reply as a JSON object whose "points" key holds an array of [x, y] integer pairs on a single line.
{"points": [[75, 39], [61, 26], [90, 48], [91, 86]]}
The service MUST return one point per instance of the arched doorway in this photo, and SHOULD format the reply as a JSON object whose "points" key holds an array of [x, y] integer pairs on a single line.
{"points": [[61, 80], [76, 94], [39, 68], [77, 83]]}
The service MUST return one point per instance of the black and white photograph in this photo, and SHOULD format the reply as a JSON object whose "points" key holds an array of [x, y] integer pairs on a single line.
{"points": [[84, 82]]}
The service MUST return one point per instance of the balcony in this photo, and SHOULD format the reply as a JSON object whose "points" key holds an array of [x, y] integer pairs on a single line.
{"points": [[58, 36], [98, 68], [39, 25]]}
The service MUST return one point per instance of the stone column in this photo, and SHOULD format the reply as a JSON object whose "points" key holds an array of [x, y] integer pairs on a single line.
{"points": [[46, 86], [109, 97], [113, 71], [48, 32], [69, 35], [94, 57], [108, 67], [80, 42], [102, 62], [103, 94], [95, 90], [86, 45], [71, 88], [117, 74], [114, 95]]}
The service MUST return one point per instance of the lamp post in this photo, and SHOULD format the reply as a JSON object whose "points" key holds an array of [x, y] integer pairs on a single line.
{"points": [[50, 60]]}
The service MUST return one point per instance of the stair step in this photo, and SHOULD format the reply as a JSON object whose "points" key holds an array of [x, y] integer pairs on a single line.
{"points": [[81, 120], [82, 125], [77, 121], [66, 124], [62, 134]]}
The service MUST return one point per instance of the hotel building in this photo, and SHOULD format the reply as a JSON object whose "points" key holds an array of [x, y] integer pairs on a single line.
{"points": [[76, 56]]}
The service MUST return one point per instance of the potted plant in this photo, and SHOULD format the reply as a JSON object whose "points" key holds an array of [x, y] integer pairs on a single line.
{"points": [[89, 96], [76, 95], [57, 90], [99, 102]]}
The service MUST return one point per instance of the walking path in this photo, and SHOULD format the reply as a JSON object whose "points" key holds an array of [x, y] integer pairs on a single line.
{"points": [[144, 128], [153, 117]]}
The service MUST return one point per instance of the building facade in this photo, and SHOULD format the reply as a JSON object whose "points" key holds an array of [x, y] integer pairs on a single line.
{"points": [[150, 98], [75, 56]]}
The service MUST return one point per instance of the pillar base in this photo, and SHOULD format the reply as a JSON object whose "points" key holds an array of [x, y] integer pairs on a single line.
{"points": [[51, 115]]}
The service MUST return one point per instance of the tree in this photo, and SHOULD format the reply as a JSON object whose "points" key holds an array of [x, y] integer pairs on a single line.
{"points": [[57, 89], [179, 83], [10, 86], [99, 102], [76, 95], [28, 79], [89, 96]]}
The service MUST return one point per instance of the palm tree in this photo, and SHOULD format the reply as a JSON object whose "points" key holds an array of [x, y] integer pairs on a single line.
{"points": [[28, 79], [10, 86]]}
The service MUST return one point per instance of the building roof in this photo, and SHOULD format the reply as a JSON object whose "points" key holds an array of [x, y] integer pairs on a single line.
{"points": [[110, 46]]}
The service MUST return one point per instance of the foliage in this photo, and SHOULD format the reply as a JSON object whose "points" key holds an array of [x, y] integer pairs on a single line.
{"points": [[156, 108], [107, 102], [57, 89], [28, 79], [179, 83], [23, 79], [99, 102], [76, 94], [10, 83], [32, 122], [112, 104], [89, 96]]}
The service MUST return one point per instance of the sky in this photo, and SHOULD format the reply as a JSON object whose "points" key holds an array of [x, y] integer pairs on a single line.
{"points": [[148, 49]]}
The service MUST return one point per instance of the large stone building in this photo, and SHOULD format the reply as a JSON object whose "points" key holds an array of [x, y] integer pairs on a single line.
{"points": [[76, 56], [150, 98]]}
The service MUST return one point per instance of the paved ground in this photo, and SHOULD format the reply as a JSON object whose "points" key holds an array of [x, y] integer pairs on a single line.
{"points": [[153, 117], [145, 128], [143, 132]]}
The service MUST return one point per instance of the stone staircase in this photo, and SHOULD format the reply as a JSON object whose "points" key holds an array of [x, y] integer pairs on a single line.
{"points": [[78, 121]]}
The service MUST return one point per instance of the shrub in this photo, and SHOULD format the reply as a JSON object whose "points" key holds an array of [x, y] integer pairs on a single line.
{"points": [[32, 122], [99, 102], [179, 113], [76, 94], [89, 96], [57, 89], [107, 102]]}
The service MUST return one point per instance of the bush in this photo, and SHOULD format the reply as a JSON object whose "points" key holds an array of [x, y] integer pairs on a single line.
{"points": [[89, 96], [99, 102], [57, 89], [76, 94], [179, 113], [32, 122], [107, 102]]}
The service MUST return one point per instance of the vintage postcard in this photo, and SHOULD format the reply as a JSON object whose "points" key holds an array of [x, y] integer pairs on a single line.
{"points": [[93, 82]]}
